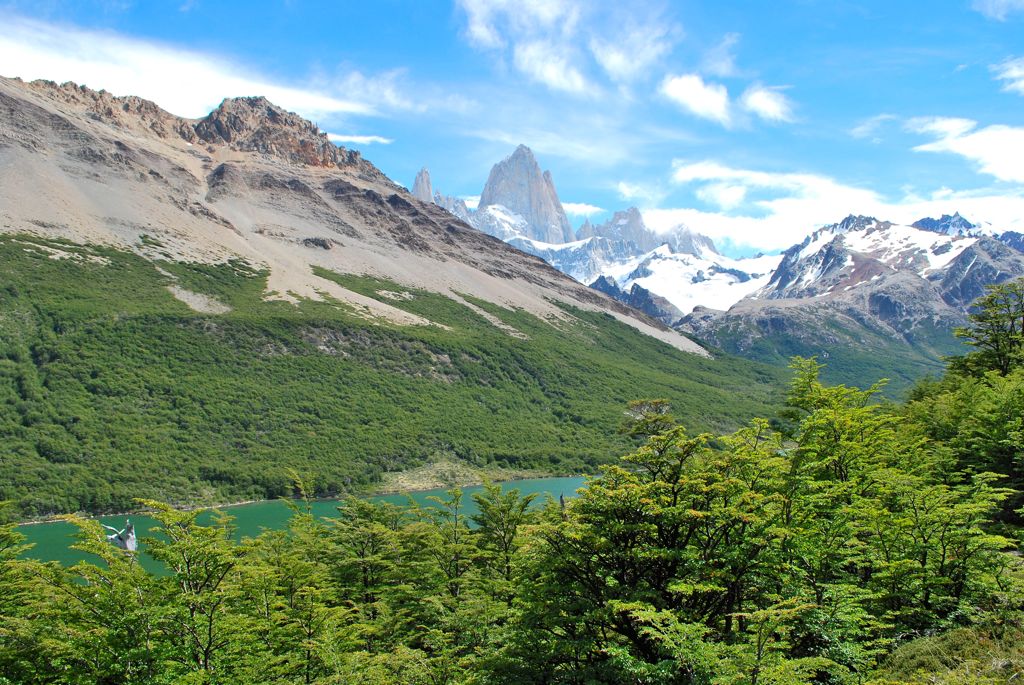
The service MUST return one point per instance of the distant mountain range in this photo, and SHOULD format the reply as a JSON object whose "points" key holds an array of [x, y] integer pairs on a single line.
{"points": [[665, 275], [872, 297]]}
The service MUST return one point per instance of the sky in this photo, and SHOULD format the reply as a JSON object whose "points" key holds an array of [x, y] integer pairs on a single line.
{"points": [[752, 122]]}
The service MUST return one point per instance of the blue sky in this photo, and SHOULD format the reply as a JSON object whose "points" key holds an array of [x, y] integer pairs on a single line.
{"points": [[753, 122]]}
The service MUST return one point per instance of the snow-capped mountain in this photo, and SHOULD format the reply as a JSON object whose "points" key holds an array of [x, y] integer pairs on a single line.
{"points": [[949, 225], [664, 274], [865, 293], [857, 251]]}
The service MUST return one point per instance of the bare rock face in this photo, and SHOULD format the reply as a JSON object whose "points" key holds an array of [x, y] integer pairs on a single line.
{"points": [[254, 124], [421, 188], [518, 184], [628, 227]]}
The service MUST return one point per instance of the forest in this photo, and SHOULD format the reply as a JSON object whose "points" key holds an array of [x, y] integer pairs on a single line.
{"points": [[845, 540], [112, 389]]}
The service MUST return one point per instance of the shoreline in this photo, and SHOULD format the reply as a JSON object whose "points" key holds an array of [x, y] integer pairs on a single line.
{"points": [[380, 492]]}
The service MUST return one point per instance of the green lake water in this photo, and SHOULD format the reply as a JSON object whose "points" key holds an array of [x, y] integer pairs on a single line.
{"points": [[52, 541]]}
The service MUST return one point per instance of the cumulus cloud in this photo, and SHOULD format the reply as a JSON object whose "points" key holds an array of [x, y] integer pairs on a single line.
{"points": [[768, 103], [1011, 73], [998, 9], [581, 209], [352, 139], [706, 100], [997, 150], [184, 82], [720, 60]]}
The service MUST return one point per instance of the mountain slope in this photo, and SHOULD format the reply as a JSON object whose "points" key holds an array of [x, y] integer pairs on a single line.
{"points": [[193, 309], [252, 181]]}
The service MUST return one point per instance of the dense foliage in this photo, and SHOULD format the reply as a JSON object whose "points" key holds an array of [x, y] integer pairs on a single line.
{"points": [[112, 389], [842, 545]]}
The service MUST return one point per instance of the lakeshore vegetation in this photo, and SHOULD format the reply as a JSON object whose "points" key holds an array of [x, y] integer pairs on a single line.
{"points": [[843, 541]]}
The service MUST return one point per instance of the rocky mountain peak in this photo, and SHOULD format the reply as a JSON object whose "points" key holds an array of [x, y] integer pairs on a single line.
{"points": [[950, 225], [518, 184], [421, 187], [684, 240], [853, 222], [254, 124], [628, 226], [585, 231]]}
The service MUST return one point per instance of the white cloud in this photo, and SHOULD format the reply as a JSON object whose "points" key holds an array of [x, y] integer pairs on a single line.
{"points": [[184, 82], [581, 209], [342, 139], [998, 9], [641, 193], [489, 20], [545, 63], [725, 195], [1011, 72], [868, 128], [632, 52], [706, 100], [997, 150], [539, 33], [720, 60], [781, 208], [568, 45], [768, 103]]}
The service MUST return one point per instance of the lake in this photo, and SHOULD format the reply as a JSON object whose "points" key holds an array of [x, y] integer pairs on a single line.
{"points": [[53, 540]]}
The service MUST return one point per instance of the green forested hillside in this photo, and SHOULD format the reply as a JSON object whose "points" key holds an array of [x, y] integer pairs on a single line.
{"points": [[111, 389]]}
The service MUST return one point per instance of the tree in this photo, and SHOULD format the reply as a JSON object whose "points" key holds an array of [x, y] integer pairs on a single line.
{"points": [[499, 521], [996, 330]]}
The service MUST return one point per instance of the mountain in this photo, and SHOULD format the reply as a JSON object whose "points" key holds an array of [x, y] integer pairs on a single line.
{"points": [[679, 269], [194, 308], [517, 185], [948, 225], [640, 298], [870, 297], [421, 188]]}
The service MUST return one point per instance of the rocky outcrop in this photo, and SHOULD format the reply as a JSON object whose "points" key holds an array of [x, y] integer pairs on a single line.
{"points": [[254, 124], [518, 184], [421, 188], [628, 226], [640, 298]]}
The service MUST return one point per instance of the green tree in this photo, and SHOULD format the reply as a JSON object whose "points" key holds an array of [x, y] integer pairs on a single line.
{"points": [[996, 330]]}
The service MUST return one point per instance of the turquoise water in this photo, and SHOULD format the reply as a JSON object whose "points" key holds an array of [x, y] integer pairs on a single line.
{"points": [[52, 541]]}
